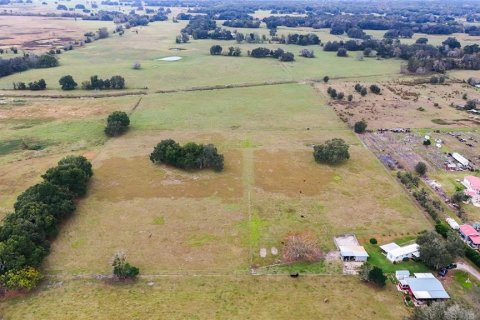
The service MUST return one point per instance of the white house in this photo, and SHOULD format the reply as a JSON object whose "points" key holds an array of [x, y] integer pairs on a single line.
{"points": [[396, 253]]}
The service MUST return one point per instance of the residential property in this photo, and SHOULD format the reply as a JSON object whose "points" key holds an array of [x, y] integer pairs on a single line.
{"points": [[396, 253], [472, 185], [470, 235], [424, 287], [353, 253], [453, 224], [402, 274]]}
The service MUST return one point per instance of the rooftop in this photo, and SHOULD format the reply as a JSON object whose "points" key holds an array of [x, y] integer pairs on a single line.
{"points": [[353, 251], [389, 247], [468, 230], [426, 288], [474, 182]]}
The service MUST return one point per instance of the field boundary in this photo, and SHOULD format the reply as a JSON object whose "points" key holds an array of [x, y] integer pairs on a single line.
{"points": [[228, 86]]}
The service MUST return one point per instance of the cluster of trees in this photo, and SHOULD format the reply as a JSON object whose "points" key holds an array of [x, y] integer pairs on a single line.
{"points": [[188, 156], [203, 27], [279, 54], [96, 83], [302, 39], [117, 123], [335, 95], [243, 23], [28, 61], [26, 233], [437, 252], [34, 86], [333, 151], [216, 50], [361, 89]]}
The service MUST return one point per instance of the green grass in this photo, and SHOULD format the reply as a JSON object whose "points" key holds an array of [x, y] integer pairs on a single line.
{"points": [[300, 267], [463, 279], [377, 259]]}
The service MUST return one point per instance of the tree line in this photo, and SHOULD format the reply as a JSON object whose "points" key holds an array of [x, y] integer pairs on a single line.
{"points": [[28, 61], [25, 234], [95, 83]]}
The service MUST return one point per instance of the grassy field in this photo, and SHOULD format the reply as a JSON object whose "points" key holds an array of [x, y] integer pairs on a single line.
{"points": [[211, 298], [197, 68]]}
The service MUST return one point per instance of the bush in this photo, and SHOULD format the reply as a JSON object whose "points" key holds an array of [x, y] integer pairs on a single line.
{"points": [[189, 156], [360, 126], [216, 50], [375, 89], [122, 270], [442, 229], [301, 247], [26, 278], [342, 52], [332, 151], [421, 168], [326, 78], [117, 124], [363, 92], [376, 276], [373, 241]]}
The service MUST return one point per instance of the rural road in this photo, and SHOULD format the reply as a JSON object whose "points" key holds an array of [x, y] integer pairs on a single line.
{"points": [[468, 268]]}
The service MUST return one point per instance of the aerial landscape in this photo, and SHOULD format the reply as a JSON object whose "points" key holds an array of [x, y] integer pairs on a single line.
{"points": [[220, 159]]}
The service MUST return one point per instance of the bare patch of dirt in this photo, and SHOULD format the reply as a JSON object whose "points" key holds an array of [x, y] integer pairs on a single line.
{"points": [[147, 180], [290, 174]]}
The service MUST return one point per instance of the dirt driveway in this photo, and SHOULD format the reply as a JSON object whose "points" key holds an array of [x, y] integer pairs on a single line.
{"points": [[468, 268]]}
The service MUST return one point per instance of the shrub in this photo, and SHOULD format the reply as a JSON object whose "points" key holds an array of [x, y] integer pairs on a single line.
{"points": [[117, 124], [326, 78], [26, 278], [189, 156], [442, 229], [216, 50], [122, 270], [287, 57], [301, 247], [363, 92], [350, 98], [137, 66], [421, 168], [376, 276], [373, 241], [332, 151], [340, 96], [375, 89], [360, 126], [342, 52]]}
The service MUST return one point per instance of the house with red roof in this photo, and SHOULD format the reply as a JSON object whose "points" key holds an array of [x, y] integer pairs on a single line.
{"points": [[472, 185], [470, 235]]}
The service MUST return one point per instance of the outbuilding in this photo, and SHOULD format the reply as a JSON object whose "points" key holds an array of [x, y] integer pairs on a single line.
{"points": [[353, 253], [425, 287], [461, 159]]}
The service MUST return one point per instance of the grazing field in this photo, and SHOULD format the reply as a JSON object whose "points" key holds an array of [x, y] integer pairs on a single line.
{"points": [[116, 55]]}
